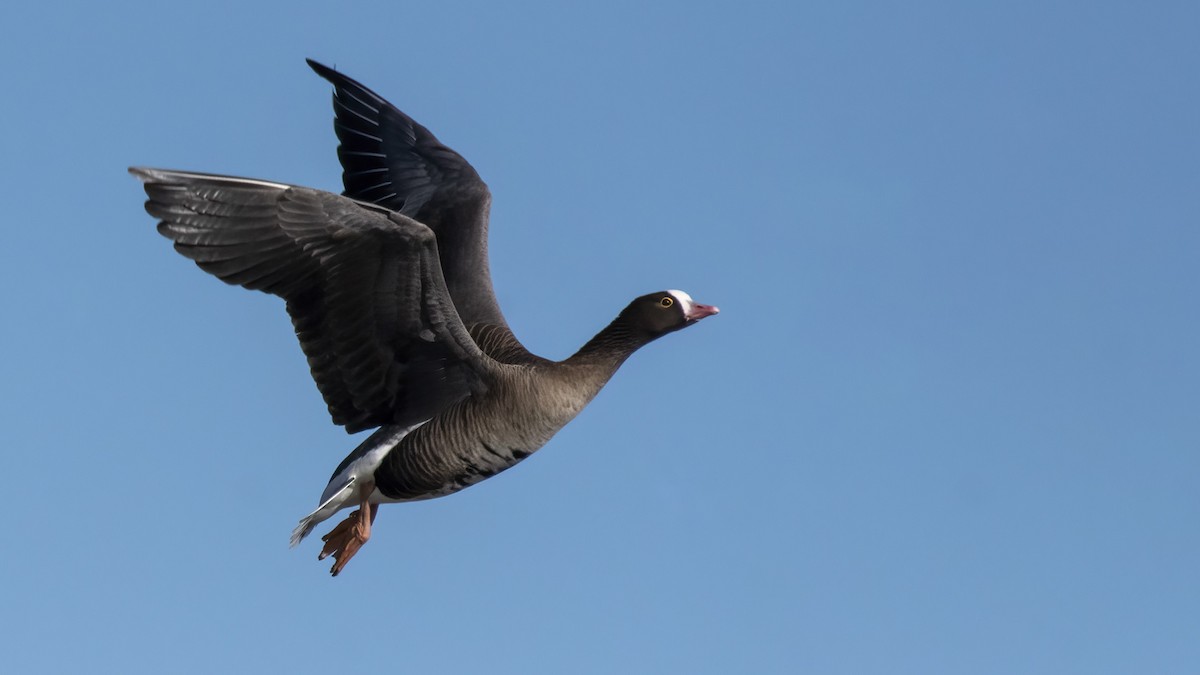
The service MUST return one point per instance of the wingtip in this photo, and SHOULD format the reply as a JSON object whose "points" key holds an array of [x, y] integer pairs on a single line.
{"points": [[142, 173], [320, 68], [340, 80]]}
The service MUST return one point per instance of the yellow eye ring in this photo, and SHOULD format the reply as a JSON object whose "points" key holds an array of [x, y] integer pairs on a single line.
{"points": [[667, 301]]}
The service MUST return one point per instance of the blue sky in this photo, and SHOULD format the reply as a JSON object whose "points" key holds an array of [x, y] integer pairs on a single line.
{"points": [[947, 422]]}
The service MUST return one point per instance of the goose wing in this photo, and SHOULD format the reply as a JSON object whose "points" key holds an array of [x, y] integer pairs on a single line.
{"points": [[389, 159], [363, 286]]}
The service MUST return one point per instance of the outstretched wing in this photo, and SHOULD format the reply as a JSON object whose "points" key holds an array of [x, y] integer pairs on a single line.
{"points": [[390, 160], [363, 286]]}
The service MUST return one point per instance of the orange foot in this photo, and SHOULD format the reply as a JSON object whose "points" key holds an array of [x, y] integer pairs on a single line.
{"points": [[343, 541]]}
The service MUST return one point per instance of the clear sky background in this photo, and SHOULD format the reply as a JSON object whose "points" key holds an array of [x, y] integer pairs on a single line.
{"points": [[948, 420]]}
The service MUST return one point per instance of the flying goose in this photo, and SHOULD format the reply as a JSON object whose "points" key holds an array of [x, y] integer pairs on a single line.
{"points": [[389, 291]]}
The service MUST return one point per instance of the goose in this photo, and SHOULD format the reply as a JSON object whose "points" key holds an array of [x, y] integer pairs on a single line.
{"points": [[391, 298]]}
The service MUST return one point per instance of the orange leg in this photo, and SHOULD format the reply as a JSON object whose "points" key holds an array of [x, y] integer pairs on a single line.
{"points": [[343, 541]]}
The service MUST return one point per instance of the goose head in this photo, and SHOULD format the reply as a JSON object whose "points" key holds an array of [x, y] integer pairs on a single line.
{"points": [[657, 314]]}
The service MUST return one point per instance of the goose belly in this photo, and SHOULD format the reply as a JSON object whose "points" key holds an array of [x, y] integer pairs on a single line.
{"points": [[470, 443], [414, 476]]}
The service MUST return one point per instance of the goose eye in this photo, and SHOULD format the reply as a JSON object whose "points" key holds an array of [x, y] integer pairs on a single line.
{"points": [[667, 301]]}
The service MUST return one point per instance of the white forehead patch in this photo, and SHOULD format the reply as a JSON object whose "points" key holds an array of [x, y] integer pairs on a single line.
{"points": [[683, 299]]}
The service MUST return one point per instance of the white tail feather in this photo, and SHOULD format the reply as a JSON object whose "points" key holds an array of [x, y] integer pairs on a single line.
{"points": [[307, 523]]}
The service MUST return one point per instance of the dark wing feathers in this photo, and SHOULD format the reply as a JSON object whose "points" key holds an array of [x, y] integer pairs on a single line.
{"points": [[363, 287], [256, 253], [389, 159]]}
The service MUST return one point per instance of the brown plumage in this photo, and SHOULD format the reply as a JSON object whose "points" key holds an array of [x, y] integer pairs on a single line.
{"points": [[389, 292]]}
